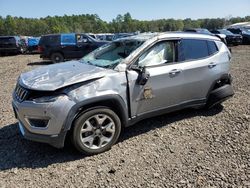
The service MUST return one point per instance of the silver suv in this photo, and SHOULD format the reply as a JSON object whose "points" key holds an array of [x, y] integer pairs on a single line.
{"points": [[117, 85]]}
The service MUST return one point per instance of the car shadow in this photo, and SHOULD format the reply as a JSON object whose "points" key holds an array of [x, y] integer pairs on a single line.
{"points": [[17, 152], [40, 63], [166, 119], [9, 54]]}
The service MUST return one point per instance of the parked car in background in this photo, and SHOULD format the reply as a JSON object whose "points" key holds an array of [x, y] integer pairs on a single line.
{"points": [[198, 30], [122, 35], [119, 84], [33, 44], [207, 32], [94, 36], [102, 36], [231, 38], [109, 37], [244, 32], [105, 36], [12, 45], [61, 47]]}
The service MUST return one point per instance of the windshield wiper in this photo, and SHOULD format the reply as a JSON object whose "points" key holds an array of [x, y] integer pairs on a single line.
{"points": [[86, 62], [112, 66]]}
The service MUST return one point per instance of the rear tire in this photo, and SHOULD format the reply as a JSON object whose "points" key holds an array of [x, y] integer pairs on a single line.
{"points": [[96, 131], [57, 57]]}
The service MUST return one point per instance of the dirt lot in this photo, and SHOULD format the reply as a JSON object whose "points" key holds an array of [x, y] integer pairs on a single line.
{"points": [[190, 148]]}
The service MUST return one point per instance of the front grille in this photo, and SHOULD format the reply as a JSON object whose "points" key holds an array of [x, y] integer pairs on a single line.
{"points": [[21, 93]]}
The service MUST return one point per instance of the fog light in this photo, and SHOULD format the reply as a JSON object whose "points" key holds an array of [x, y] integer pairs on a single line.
{"points": [[41, 123]]}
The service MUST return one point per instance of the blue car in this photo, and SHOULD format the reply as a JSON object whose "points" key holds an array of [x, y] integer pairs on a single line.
{"points": [[33, 44]]}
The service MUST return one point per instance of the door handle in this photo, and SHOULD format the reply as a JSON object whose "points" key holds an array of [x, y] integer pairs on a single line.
{"points": [[175, 71], [211, 65]]}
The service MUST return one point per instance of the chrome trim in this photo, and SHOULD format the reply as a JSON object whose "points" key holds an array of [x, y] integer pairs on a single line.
{"points": [[21, 93]]}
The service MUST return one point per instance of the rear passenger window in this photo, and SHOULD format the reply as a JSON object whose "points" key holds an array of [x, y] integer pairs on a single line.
{"points": [[212, 48], [50, 40], [191, 49]]}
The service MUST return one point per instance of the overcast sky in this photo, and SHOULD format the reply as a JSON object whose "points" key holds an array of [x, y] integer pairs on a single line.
{"points": [[139, 9]]}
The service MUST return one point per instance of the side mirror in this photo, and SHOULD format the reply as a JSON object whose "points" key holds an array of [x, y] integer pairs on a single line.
{"points": [[143, 75], [136, 68]]}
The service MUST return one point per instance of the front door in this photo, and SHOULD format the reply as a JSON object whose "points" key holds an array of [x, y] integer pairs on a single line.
{"points": [[68, 45], [164, 86], [84, 45]]}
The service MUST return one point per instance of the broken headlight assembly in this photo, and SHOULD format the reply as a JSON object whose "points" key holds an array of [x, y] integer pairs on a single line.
{"points": [[47, 99]]}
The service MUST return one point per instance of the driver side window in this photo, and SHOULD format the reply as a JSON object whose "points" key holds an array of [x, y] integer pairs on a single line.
{"points": [[160, 53], [81, 39]]}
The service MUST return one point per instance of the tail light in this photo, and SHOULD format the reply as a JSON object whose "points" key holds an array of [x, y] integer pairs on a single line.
{"points": [[40, 49]]}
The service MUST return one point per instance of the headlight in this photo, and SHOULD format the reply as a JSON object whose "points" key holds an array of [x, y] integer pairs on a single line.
{"points": [[48, 99]]}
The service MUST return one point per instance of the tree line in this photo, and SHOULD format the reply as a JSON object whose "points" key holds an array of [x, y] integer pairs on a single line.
{"points": [[92, 23]]}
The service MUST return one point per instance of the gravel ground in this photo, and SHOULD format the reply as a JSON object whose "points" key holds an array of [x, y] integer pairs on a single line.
{"points": [[189, 148]]}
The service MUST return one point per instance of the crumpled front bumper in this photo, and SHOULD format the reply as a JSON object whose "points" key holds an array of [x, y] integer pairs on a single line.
{"points": [[53, 140], [55, 114]]}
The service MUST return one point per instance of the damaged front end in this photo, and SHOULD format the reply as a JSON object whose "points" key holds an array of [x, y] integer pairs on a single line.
{"points": [[43, 114], [47, 99]]}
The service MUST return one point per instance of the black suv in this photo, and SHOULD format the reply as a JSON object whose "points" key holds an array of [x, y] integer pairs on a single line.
{"points": [[231, 38], [12, 45], [60, 47], [244, 32]]}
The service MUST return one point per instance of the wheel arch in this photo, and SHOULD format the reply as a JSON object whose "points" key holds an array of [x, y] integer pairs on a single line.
{"points": [[56, 51], [114, 102]]}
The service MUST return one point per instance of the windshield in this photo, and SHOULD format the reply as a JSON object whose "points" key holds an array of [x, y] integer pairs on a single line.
{"points": [[111, 54], [225, 32]]}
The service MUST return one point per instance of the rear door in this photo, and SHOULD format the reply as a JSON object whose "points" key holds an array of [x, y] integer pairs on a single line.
{"points": [[48, 44], [199, 68]]}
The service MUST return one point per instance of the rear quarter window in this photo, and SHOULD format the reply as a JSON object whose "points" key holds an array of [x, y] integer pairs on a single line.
{"points": [[212, 47], [191, 49], [50, 40]]}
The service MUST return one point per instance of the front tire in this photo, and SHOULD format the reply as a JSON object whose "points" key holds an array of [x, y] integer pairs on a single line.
{"points": [[96, 130]]}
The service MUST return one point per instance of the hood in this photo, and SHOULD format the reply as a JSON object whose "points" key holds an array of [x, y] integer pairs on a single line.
{"points": [[53, 77]]}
